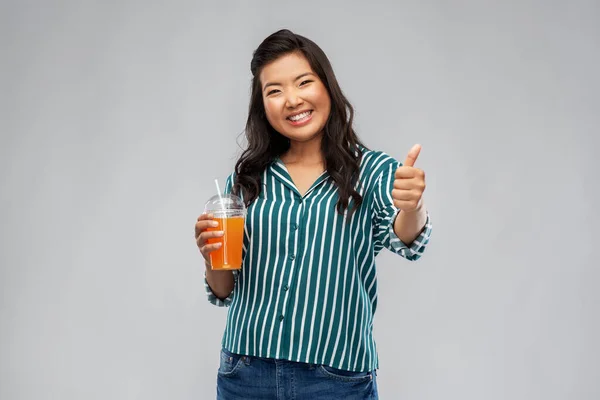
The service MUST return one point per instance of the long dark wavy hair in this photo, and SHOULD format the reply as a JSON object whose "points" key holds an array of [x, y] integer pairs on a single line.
{"points": [[340, 145]]}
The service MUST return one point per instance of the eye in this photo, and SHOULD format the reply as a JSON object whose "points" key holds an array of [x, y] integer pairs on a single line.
{"points": [[272, 92], [305, 82]]}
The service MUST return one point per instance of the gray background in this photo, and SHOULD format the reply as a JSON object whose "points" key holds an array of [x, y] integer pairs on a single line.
{"points": [[117, 116]]}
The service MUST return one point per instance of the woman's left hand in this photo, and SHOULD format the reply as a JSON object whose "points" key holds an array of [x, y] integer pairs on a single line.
{"points": [[409, 183]]}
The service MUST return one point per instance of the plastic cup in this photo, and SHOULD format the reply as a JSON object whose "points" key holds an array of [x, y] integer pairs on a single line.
{"points": [[230, 212]]}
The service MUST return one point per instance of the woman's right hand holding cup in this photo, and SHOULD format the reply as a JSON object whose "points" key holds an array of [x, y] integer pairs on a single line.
{"points": [[203, 234]]}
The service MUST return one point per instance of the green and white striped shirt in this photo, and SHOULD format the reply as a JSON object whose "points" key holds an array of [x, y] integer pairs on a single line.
{"points": [[307, 290]]}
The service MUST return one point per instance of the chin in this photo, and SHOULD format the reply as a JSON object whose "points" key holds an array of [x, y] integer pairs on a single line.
{"points": [[303, 138]]}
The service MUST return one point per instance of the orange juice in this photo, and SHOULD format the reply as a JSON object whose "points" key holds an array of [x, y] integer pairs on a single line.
{"points": [[229, 255]]}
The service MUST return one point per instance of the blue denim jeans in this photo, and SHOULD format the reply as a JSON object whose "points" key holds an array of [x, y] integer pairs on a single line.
{"points": [[243, 377]]}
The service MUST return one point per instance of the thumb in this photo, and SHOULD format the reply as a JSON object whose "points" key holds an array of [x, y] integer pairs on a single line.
{"points": [[412, 156]]}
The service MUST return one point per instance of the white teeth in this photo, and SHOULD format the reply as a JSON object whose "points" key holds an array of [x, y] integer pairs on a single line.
{"points": [[300, 116]]}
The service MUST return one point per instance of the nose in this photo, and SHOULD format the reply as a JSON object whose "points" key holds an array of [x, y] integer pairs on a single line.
{"points": [[292, 99]]}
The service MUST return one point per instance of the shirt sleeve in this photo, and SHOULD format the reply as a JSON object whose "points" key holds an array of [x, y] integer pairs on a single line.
{"points": [[211, 296], [385, 213], [214, 299]]}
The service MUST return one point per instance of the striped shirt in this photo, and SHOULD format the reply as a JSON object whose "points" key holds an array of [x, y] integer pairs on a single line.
{"points": [[307, 290]]}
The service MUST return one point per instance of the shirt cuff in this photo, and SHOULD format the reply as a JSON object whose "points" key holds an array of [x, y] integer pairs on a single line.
{"points": [[417, 247], [214, 299]]}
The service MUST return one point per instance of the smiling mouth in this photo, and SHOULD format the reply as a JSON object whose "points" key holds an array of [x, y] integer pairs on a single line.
{"points": [[300, 117]]}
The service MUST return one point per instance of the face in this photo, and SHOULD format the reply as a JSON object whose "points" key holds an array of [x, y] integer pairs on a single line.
{"points": [[296, 101]]}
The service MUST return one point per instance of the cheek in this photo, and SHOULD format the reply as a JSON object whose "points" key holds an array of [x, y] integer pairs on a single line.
{"points": [[321, 98], [270, 111], [327, 105]]}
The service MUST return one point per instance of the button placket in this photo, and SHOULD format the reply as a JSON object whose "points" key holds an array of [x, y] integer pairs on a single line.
{"points": [[294, 250]]}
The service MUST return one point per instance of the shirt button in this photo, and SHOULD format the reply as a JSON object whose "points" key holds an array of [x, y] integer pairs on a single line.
{"points": [[292, 257], [286, 287], [294, 227], [281, 318]]}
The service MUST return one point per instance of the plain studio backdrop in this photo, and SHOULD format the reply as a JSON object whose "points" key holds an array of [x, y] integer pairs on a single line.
{"points": [[116, 117]]}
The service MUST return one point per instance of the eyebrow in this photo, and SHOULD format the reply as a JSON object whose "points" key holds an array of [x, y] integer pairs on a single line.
{"points": [[277, 83]]}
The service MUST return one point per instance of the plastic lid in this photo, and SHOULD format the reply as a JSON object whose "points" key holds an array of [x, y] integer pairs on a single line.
{"points": [[227, 202]]}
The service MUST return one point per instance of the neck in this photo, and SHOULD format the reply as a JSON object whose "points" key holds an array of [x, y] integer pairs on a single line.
{"points": [[304, 152]]}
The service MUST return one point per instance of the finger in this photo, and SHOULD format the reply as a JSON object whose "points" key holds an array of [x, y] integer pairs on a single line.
{"points": [[204, 236], [209, 248], [410, 184], [404, 195], [412, 156], [406, 172], [405, 183], [203, 225], [205, 216]]}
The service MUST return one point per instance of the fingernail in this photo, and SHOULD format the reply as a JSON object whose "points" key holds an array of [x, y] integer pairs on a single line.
{"points": [[219, 233], [214, 224], [217, 245]]}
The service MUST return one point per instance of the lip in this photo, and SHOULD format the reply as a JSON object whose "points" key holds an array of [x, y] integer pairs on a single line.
{"points": [[302, 123]]}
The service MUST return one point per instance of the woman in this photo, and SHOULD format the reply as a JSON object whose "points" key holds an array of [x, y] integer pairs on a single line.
{"points": [[321, 206]]}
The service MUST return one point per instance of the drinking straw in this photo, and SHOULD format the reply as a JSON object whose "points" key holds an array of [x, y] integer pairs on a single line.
{"points": [[224, 224]]}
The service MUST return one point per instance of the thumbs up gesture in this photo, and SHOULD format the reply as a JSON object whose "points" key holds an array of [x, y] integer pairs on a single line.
{"points": [[409, 183]]}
